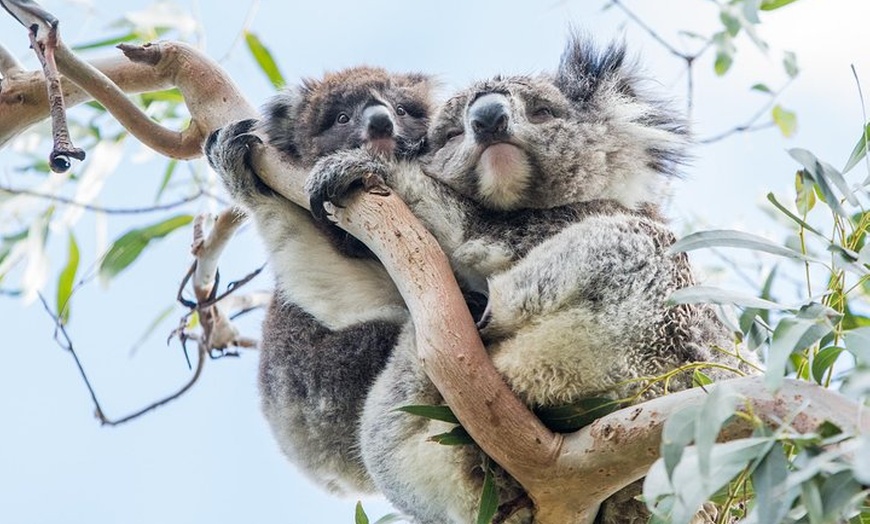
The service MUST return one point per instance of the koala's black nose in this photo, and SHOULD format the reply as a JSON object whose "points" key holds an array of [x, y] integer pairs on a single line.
{"points": [[489, 117], [379, 123]]}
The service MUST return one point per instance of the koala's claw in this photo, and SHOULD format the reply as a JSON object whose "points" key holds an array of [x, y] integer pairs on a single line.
{"points": [[228, 151], [335, 177]]}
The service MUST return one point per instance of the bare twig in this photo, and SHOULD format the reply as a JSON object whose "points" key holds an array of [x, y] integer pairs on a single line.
{"points": [[63, 339], [101, 209]]}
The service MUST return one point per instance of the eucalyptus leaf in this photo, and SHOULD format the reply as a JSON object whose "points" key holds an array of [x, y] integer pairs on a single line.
{"points": [[857, 342], [677, 433], [66, 280], [488, 497], [264, 59], [442, 413], [762, 88], [768, 480], [823, 361], [718, 407], [859, 151], [714, 295], [785, 120], [770, 5], [738, 239], [796, 333], [789, 63], [571, 417], [455, 437], [127, 248], [360, 516]]}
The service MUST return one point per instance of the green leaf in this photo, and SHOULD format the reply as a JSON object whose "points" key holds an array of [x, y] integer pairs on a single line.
{"points": [[700, 379], [731, 22], [488, 497], [837, 492], [360, 516], [163, 315], [167, 176], [714, 295], [805, 197], [824, 175], [264, 59], [455, 437], [442, 413], [677, 433], [770, 5], [823, 361], [785, 120], [127, 248], [789, 62], [762, 88], [724, 52], [859, 151], [390, 518], [718, 407], [857, 342], [569, 418], [738, 239], [768, 480], [828, 429], [796, 333], [784, 210], [107, 42], [66, 280]]}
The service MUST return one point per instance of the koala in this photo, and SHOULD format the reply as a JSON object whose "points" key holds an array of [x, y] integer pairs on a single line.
{"points": [[544, 192], [335, 313]]}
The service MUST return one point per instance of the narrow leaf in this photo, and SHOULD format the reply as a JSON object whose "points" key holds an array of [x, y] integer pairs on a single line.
{"points": [[264, 59], [66, 280], [488, 497], [714, 295], [167, 176], [823, 174], [772, 199], [859, 151], [762, 88], [796, 334], [107, 42], [823, 361], [785, 120], [570, 418], [677, 433], [718, 407], [770, 5], [738, 239], [442, 413], [700, 379], [789, 62], [127, 248], [857, 342], [455, 437], [768, 480], [805, 197], [360, 516]]}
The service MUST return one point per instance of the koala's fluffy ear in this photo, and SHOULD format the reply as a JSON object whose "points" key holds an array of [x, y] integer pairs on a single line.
{"points": [[586, 70], [421, 86], [281, 119]]}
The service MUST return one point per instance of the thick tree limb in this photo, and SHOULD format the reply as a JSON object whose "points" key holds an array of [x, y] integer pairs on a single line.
{"points": [[590, 464]]}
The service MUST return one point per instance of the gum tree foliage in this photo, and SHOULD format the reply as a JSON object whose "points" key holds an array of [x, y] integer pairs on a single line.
{"points": [[808, 315]]}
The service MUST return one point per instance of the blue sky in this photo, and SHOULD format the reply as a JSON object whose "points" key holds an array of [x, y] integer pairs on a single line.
{"points": [[209, 457]]}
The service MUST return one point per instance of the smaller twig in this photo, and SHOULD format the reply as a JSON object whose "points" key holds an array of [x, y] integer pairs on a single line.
{"points": [[865, 123], [66, 344], [101, 209], [652, 32], [63, 148]]}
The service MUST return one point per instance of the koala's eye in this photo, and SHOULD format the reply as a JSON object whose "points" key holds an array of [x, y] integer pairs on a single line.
{"points": [[342, 118], [400, 110], [543, 113]]}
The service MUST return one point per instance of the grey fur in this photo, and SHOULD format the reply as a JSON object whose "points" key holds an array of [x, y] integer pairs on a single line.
{"points": [[335, 314], [549, 204]]}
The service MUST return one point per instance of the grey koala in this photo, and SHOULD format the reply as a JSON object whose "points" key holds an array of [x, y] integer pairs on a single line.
{"points": [[543, 191], [335, 313]]}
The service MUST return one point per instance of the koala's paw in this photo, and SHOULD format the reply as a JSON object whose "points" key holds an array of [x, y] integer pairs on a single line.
{"points": [[334, 178], [228, 151]]}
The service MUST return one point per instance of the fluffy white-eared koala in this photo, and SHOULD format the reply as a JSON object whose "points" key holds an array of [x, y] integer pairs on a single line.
{"points": [[335, 313], [544, 191]]}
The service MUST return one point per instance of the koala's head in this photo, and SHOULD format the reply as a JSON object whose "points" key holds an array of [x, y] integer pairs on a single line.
{"points": [[587, 132], [356, 107]]}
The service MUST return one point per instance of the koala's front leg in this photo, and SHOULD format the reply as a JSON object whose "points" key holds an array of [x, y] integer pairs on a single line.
{"points": [[228, 151], [334, 178]]}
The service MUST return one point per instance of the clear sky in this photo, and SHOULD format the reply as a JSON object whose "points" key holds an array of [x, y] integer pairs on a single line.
{"points": [[209, 457]]}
